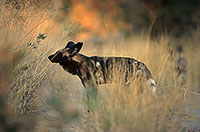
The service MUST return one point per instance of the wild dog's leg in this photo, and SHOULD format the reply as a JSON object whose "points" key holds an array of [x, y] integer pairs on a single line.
{"points": [[91, 93], [143, 72], [151, 83], [88, 107], [89, 83], [91, 97]]}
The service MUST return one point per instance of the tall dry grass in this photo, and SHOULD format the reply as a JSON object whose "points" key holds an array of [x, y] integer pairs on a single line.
{"points": [[50, 99], [127, 109]]}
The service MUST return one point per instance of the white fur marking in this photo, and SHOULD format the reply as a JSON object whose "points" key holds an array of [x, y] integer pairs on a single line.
{"points": [[97, 74], [98, 64], [152, 84], [142, 68], [144, 74], [137, 73]]}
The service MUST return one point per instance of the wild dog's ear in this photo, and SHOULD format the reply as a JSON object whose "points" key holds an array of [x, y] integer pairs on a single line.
{"points": [[76, 48], [70, 44]]}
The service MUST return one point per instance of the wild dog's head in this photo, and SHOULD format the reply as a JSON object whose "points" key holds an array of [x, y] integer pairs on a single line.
{"points": [[65, 57]]}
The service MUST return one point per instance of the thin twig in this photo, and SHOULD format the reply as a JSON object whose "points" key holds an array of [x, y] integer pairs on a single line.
{"points": [[186, 90]]}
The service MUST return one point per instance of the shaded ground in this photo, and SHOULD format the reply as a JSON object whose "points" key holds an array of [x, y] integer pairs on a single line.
{"points": [[192, 110]]}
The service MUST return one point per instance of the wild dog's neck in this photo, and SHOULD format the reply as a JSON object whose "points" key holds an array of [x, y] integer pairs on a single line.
{"points": [[80, 58], [85, 72], [83, 67]]}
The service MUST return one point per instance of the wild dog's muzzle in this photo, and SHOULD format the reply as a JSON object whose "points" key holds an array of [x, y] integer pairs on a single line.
{"points": [[55, 58]]}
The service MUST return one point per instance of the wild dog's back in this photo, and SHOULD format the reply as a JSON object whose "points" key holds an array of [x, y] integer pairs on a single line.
{"points": [[128, 68]]}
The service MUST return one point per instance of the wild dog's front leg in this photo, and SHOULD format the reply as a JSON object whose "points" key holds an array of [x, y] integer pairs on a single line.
{"points": [[91, 92]]}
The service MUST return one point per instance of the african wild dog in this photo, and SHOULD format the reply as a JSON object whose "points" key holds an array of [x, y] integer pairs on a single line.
{"points": [[99, 70]]}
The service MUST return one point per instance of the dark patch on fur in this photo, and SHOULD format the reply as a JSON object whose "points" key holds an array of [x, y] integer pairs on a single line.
{"points": [[71, 66]]}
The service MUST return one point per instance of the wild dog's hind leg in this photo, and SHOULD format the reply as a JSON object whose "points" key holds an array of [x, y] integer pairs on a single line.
{"points": [[143, 72], [152, 84]]}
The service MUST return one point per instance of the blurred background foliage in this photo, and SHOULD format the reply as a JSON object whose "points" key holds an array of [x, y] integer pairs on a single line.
{"points": [[132, 16], [98, 17]]}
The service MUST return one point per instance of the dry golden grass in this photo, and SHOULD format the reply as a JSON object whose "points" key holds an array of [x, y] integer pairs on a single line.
{"points": [[126, 109], [53, 100]]}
